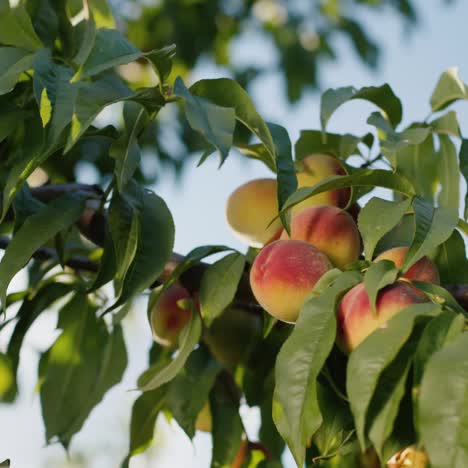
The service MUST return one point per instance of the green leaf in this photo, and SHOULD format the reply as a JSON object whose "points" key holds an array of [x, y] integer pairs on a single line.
{"points": [[45, 108], [382, 96], [7, 377], [340, 146], [433, 227], [110, 49], [219, 285], [54, 80], [154, 377], [378, 276], [447, 124], [295, 406], [449, 174], [199, 372], [161, 60], [373, 231], [439, 295], [392, 142], [286, 174], [228, 93], [112, 357], [87, 38], [126, 150], [155, 241], [337, 421], [437, 333], [76, 365], [464, 169], [369, 360], [383, 408], [102, 14], [27, 159], [214, 122], [144, 413], [9, 121], [449, 88], [13, 62], [35, 232], [365, 177], [91, 99], [227, 424], [451, 260], [443, 405], [30, 309], [17, 30], [418, 162]]}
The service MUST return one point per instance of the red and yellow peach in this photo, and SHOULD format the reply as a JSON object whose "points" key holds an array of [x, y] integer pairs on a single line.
{"points": [[331, 230], [317, 167], [355, 318], [284, 273], [168, 317], [423, 270], [251, 208]]}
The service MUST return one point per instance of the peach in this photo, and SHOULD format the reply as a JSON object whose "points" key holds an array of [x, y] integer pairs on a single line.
{"points": [[317, 167], [355, 318], [232, 336], [284, 273], [423, 270], [251, 208], [331, 230], [167, 317]]}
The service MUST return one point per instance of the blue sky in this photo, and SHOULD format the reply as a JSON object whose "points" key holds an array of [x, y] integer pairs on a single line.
{"points": [[411, 64]]}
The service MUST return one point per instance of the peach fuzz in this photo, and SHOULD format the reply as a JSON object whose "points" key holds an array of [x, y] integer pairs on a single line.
{"points": [[423, 270], [284, 273], [167, 317], [355, 318], [330, 229], [317, 167], [251, 208]]}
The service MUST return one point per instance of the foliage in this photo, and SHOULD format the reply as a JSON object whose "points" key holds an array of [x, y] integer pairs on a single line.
{"points": [[58, 75]]}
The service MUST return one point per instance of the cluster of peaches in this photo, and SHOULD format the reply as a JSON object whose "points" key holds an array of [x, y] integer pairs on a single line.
{"points": [[322, 236]]}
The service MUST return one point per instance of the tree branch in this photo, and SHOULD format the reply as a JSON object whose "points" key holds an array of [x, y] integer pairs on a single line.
{"points": [[46, 253]]}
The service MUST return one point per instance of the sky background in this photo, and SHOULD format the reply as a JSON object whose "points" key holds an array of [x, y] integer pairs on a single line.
{"points": [[410, 63]]}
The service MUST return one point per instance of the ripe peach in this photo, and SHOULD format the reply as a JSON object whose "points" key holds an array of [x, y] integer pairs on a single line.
{"points": [[331, 230], [251, 208], [232, 335], [167, 317], [423, 270], [355, 318], [317, 167], [284, 273]]}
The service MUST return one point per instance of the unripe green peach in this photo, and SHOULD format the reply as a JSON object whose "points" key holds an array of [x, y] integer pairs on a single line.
{"points": [[251, 208], [331, 230], [355, 318], [317, 167], [232, 336], [423, 270], [284, 273], [204, 422], [168, 317]]}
